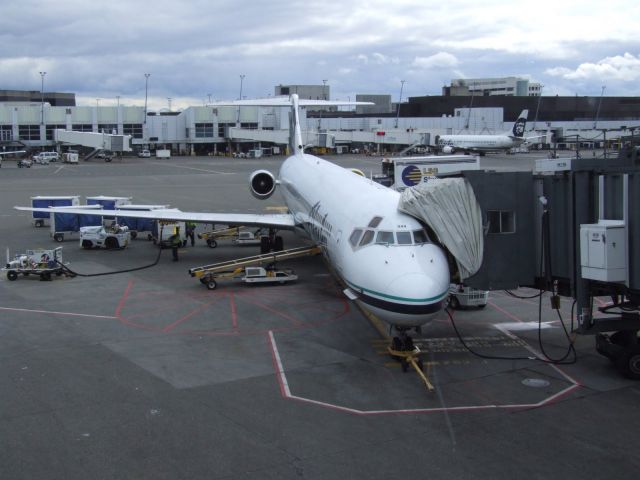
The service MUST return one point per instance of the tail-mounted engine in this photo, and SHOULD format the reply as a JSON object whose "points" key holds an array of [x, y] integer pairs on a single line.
{"points": [[262, 184]]}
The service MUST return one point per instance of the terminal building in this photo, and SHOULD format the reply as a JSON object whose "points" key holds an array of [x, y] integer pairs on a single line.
{"points": [[509, 86], [224, 130]]}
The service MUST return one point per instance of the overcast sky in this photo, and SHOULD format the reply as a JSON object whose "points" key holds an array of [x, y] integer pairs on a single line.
{"points": [[193, 48]]}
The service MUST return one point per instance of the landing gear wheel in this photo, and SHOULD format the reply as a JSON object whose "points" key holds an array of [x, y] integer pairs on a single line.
{"points": [[405, 365], [11, 275], [278, 244], [628, 363], [211, 243], [265, 245], [454, 303]]}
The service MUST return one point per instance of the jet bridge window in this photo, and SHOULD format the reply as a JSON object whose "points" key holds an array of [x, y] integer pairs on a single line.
{"points": [[385, 238], [501, 221], [355, 236]]}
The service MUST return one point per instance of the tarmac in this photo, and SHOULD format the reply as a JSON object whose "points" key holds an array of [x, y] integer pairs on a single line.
{"points": [[148, 374]]}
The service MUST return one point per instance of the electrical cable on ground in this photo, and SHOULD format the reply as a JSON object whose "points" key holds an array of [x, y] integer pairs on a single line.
{"points": [[135, 269]]}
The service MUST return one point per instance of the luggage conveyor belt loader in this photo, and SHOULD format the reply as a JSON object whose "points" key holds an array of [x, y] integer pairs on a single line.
{"points": [[208, 274]]}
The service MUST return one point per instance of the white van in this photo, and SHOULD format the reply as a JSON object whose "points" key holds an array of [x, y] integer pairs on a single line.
{"points": [[43, 158]]}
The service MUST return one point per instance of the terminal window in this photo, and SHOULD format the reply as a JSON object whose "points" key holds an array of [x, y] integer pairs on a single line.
{"points": [[50, 129], [133, 129], [109, 128], [6, 133], [29, 132], [501, 221], [82, 127], [204, 130]]}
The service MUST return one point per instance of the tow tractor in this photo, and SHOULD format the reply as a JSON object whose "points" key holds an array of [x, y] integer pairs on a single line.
{"points": [[463, 296], [43, 263], [245, 269], [114, 236], [236, 234]]}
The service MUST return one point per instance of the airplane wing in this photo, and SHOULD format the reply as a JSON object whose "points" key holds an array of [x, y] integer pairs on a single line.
{"points": [[280, 221]]}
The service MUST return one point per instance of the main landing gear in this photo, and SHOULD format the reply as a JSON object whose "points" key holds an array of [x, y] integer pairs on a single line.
{"points": [[403, 350]]}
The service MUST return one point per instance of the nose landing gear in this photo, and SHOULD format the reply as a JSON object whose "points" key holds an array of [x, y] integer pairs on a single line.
{"points": [[403, 350]]}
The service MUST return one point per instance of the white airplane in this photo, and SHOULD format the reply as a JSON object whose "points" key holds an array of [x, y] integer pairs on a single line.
{"points": [[385, 257], [486, 143]]}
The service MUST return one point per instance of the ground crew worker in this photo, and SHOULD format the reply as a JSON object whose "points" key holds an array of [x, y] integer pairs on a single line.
{"points": [[176, 243], [191, 229]]}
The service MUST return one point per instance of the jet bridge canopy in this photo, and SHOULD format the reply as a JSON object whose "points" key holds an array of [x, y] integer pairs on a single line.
{"points": [[450, 208]]}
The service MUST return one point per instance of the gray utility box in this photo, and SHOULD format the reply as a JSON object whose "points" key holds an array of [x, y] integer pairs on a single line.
{"points": [[603, 251]]}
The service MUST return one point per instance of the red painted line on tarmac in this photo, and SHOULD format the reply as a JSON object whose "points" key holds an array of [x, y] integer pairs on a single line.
{"points": [[510, 315], [186, 317], [234, 311], [123, 299], [294, 321]]}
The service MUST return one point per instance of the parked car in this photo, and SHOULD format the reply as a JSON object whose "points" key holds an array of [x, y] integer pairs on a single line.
{"points": [[25, 163], [106, 155], [44, 158], [144, 154]]}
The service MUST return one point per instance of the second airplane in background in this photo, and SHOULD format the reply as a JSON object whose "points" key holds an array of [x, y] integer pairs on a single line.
{"points": [[485, 143]]}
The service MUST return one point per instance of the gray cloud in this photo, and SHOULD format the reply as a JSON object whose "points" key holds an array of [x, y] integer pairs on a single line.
{"points": [[196, 47]]}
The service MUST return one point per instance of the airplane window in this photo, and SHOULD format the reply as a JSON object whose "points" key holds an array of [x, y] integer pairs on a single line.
{"points": [[375, 221], [420, 236], [355, 236], [385, 238], [404, 238], [367, 238]]}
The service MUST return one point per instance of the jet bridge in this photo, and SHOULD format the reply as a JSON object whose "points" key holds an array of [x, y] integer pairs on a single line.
{"points": [[571, 228], [97, 141]]}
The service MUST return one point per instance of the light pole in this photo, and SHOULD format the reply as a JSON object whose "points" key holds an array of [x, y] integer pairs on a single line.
{"points": [[595, 123], [241, 80], [169, 101], [42, 74], [535, 120], [118, 100], [146, 94], [399, 102], [209, 95]]}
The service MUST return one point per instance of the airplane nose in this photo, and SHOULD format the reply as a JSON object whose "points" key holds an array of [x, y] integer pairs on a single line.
{"points": [[419, 288]]}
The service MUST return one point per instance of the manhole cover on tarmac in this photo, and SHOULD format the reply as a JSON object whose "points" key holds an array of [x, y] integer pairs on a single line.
{"points": [[535, 382]]}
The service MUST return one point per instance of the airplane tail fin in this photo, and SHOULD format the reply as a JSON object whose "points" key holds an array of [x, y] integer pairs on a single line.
{"points": [[521, 123], [295, 131]]}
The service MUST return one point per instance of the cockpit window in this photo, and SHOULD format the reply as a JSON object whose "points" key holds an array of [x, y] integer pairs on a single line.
{"points": [[420, 236], [355, 236], [375, 221], [385, 238], [404, 238], [367, 238]]}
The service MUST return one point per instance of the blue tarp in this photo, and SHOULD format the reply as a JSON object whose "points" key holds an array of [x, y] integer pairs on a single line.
{"points": [[49, 202], [71, 222]]}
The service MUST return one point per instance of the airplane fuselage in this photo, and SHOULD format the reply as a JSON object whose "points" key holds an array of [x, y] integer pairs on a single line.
{"points": [[383, 255], [486, 143]]}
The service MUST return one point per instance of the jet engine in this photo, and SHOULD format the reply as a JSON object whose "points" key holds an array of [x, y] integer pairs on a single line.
{"points": [[262, 184], [447, 149]]}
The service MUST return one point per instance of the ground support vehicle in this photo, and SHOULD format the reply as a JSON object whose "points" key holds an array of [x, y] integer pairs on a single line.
{"points": [[40, 201], [114, 236], [461, 296], [245, 269], [69, 223], [140, 225], [43, 263], [212, 237], [24, 163], [70, 157], [235, 234]]}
